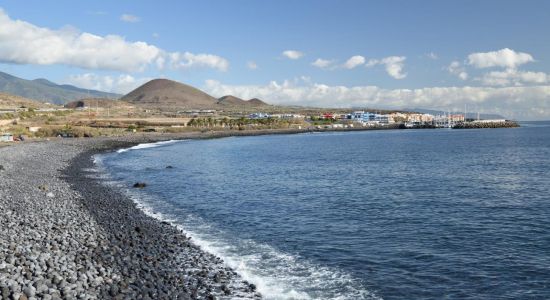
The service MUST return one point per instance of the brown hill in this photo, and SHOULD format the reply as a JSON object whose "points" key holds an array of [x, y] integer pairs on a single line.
{"points": [[98, 102], [256, 102], [164, 93], [9, 101], [231, 101]]}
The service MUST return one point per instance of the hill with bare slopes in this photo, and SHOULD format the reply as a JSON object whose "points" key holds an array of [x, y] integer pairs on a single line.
{"points": [[168, 94], [256, 102], [8, 101], [231, 101]]}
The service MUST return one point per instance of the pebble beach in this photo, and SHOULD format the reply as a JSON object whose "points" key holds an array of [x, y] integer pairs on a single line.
{"points": [[65, 235]]}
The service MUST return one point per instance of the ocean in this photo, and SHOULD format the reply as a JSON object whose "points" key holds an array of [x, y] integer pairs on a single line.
{"points": [[390, 214]]}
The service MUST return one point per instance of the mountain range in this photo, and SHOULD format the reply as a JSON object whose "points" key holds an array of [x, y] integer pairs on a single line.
{"points": [[44, 90]]}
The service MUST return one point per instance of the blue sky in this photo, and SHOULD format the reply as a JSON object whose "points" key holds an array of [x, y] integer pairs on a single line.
{"points": [[492, 56]]}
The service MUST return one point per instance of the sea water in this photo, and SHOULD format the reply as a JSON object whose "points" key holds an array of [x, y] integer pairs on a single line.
{"points": [[394, 214]]}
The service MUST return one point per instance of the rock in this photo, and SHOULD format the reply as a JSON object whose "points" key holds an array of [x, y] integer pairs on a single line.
{"points": [[113, 291], [140, 185], [30, 291], [5, 292], [169, 167], [92, 242]]}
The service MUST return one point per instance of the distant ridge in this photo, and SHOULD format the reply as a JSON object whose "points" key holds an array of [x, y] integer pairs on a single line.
{"points": [[236, 101], [44, 90], [164, 93], [231, 100]]}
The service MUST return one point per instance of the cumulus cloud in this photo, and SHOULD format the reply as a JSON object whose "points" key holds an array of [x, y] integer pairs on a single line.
{"points": [[354, 61], [514, 77], [514, 102], [188, 60], [394, 65], [129, 18], [506, 58], [457, 69], [121, 84], [252, 65], [322, 63], [24, 43], [292, 54]]}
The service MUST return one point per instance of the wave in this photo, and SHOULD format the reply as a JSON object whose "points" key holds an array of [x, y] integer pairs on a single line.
{"points": [[147, 145], [277, 275]]}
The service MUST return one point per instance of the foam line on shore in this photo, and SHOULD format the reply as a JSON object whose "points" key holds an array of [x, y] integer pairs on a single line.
{"points": [[277, 275], [148, 145]]}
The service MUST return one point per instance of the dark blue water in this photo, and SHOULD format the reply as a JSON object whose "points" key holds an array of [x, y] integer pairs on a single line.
{"points": [[403, 214]]}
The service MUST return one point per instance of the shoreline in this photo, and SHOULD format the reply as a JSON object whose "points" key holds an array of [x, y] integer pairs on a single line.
{"points": [[133, 233], [65, 235]]}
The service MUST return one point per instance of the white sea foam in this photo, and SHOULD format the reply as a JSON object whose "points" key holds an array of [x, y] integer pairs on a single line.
{"points": [[277, 275], [147, 145]]}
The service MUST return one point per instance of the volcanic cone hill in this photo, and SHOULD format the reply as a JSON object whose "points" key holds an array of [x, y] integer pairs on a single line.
{"points": [[168, 94]]}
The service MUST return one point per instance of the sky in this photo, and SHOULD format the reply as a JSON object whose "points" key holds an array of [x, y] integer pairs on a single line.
{"points": [[482, 56]]}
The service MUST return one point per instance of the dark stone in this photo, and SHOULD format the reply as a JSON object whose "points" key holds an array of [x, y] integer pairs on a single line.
{"points": [[140, 185], [113, 291], [167, 167]]}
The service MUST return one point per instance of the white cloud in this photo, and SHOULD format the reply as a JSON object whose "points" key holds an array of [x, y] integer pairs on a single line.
{"points": [[252, 65], [457, 69], [129, 18], [514, 77], [394, 65], [432, 55], [293, 54], [513, 102], [506, 58], [121, 84], [24, 43], [189, 60], [322, 63], [354, 61]]}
